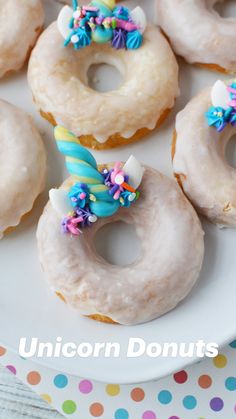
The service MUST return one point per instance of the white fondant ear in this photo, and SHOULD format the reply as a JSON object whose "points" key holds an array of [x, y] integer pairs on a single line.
{"points": [[60, 201], [63, 21], [139, 18], [134, 170], [220, 95]]}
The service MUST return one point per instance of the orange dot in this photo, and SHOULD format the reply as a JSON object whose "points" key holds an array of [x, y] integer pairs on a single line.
{"points": [[96, 409], [2, 351], [137, 394], [33, 378], [205, 381]]}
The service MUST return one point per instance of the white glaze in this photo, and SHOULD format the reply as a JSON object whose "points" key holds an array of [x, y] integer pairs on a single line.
{"points": [[197, 32], [172, 252], [20, 24], [58, 79], [207, 179], [22, 165]]}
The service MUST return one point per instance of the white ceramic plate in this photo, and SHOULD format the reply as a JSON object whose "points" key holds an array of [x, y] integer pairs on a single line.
{"points": [[27, 307]]}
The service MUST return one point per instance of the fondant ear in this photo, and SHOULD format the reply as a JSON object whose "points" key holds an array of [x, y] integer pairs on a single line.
{"points": [[63, 21], [139, 18], [134, 170], [220, 95], [60, 202]]}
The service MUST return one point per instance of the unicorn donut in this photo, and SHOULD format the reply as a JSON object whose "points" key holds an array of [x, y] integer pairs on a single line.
{"points": [[96, 195], [198, 33], [103, 33], [21, 23], [22, 165], [199, 161]]}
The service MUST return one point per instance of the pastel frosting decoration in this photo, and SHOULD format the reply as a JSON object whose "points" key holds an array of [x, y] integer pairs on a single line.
{"points": [[223, 111], [101, 22], [94, 193]]}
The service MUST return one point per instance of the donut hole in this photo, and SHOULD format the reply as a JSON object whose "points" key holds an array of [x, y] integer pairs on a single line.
{"points": [[230, 152], [118, 243], [105, 77], [225, 8]]}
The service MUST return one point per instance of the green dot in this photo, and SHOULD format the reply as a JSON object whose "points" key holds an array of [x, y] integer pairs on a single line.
{"points": [[69, 407]]}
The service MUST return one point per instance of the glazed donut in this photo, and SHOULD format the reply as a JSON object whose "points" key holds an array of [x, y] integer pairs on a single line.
{"points": [[58, 79], [198, 33], [198, 153], [21, 22], [166, 224], [22, 165]]}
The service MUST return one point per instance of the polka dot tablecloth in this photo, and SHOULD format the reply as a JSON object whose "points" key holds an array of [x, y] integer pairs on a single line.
{"points": [[204, 391]]}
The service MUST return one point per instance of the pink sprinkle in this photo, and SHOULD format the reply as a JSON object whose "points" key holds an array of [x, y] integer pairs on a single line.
{"points": [[232, 103], [90, 8], [82, 195], [127, 26], [231, 89]]}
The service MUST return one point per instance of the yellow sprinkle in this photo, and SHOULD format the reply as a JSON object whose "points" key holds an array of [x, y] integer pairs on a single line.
{"points": [[92, 197]]}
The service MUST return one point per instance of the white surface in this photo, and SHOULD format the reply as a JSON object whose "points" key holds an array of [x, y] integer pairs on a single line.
{"points": [[29, 309]]}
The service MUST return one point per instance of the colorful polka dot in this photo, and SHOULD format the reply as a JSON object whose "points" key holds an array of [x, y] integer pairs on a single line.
{"points": [[2, 351], [216, 404], [96, 409], [137, 394], [46, 397], [189, 402], [174, 417], [69, 407], [233, 344], [85, 386], [205, 381], [60, 381], [164, 397], [113, 389], [149, 414], [33, 378], [181, 377], [121, 414], [220, 361], [11, 368], [230, 383]]}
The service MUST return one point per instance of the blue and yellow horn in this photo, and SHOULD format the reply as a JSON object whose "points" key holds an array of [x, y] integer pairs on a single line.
{"points": [[81, 164]]}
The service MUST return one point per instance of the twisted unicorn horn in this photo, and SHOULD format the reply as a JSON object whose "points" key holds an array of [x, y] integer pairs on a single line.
{"points": [[81, 164]]}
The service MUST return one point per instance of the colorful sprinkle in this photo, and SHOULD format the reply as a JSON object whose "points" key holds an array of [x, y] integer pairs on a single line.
{"points": [[121, 414], [12, 369], [220, 361], [149, 414], [2, 351], [164, 397], [181, 377], [216, 404], [205, 381], [96, 409], [112, 389], [137, 394], [33, 378], [60, 381], [69, 407], [46, 397], [85, 386], [189, 402], [230, 383]]}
